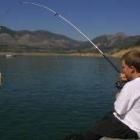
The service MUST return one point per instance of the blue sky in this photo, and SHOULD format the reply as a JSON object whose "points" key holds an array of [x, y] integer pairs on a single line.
{"points": [[92, 17]]}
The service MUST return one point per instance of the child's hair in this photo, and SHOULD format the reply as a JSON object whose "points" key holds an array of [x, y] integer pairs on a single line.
{"points": [[132, 58]]}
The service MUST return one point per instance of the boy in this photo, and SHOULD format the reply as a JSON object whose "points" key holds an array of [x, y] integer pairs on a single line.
{"points": [[124, 123]]}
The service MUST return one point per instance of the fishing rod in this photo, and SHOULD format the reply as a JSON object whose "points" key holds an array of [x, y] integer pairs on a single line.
{"points": [[57, 14]]}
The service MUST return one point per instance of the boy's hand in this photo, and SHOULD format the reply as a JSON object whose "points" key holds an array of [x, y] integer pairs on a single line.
{"points": [[123, 80], [123, 77]]}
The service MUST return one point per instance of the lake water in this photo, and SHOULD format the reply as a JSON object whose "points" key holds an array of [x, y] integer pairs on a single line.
{"points": [[47, 98]]}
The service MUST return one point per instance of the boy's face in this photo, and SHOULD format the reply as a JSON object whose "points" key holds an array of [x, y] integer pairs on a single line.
{"points": [[127, 70]]}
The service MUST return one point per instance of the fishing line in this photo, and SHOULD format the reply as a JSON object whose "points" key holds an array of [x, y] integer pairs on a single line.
{"points": [[71, 24], [5, 14], [3, 17]]}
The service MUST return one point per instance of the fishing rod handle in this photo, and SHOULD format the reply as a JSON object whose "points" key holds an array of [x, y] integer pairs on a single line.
{"points": [[119, 84]]}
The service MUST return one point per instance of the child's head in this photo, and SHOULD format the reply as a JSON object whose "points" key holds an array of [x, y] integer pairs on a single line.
{"points": [[131, 62], [132, 58]]}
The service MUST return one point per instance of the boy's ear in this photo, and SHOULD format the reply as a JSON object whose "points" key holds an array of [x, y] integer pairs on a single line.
{"points": [[133, 69]]}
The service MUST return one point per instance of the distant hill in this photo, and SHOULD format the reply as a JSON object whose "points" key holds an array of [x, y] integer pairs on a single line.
{"points": [[113, 43], [45, 41], [35, 41]]}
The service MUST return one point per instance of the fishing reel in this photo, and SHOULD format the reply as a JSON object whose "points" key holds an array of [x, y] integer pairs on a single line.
{"points": [[120, 84]]}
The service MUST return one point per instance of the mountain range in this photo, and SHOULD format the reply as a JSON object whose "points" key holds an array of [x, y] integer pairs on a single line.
{"points": [[45, 41]]}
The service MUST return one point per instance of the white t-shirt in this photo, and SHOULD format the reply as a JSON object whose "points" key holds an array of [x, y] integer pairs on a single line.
{"points": [[127, 105]]}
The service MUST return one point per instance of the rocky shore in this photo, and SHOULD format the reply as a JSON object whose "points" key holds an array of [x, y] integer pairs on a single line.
{"points": [[52, 54], [121, 52], [104, 138], [116, 55]]}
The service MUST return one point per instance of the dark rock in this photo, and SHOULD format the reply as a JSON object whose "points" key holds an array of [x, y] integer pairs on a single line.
{"points": [[105, 138]]}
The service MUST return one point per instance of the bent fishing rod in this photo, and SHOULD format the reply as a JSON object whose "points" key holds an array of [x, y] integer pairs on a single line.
{"points": [[57, 14]]}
